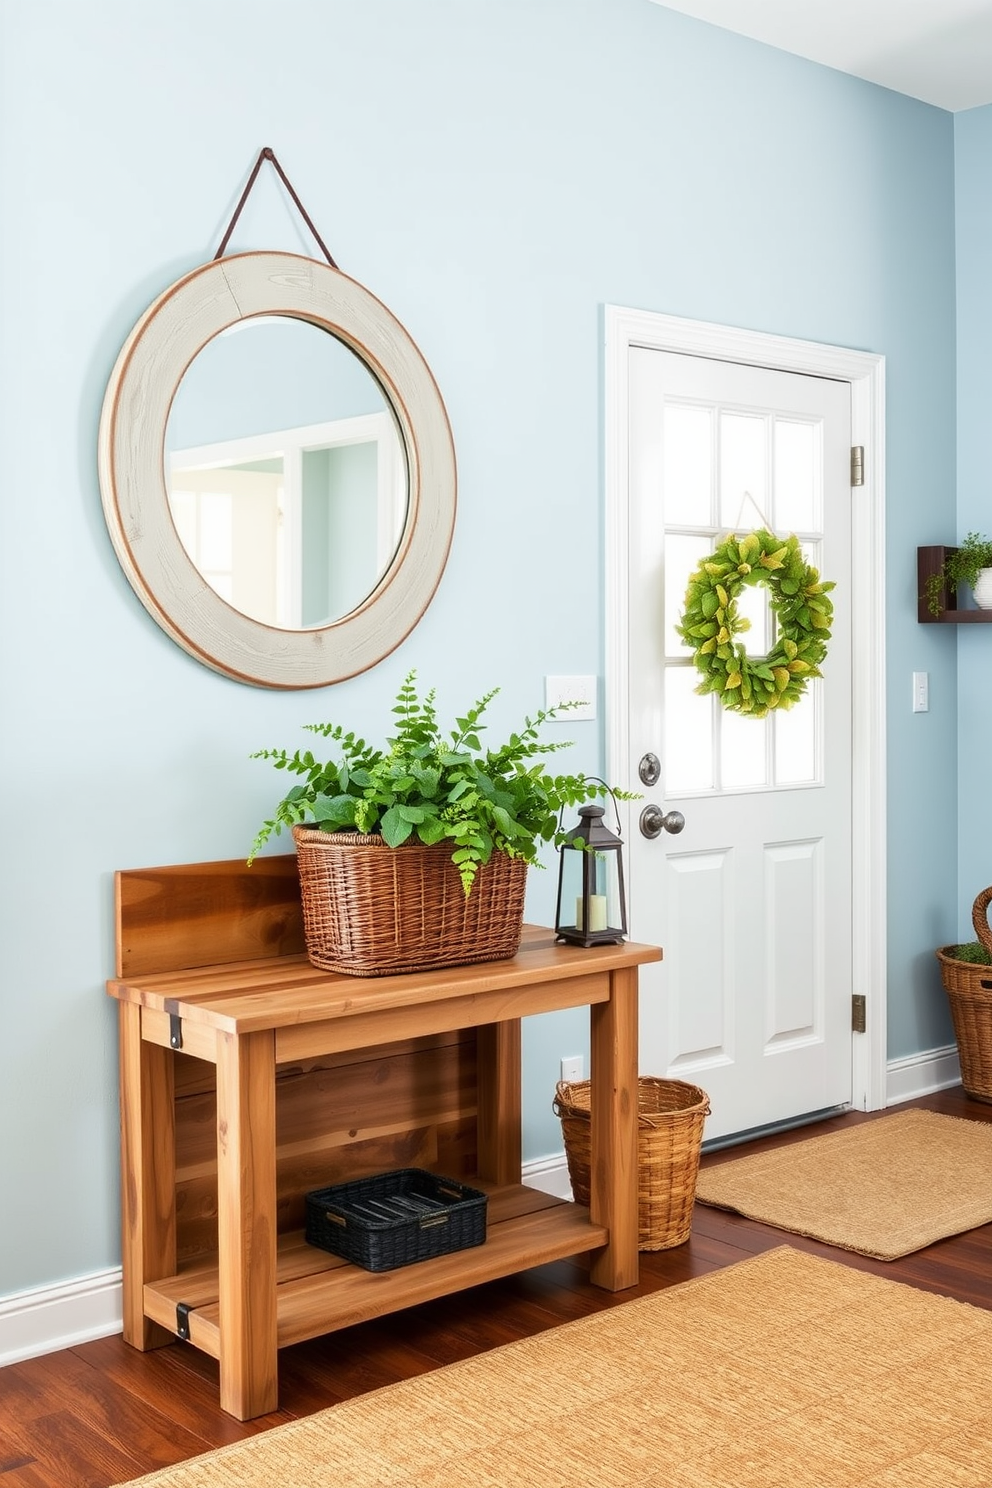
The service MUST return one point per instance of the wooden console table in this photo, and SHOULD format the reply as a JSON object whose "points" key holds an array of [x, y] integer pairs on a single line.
{"points": [[203, 968]]}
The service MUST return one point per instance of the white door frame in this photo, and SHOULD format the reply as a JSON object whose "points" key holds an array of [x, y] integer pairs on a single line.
{"points": [[865, 372]]}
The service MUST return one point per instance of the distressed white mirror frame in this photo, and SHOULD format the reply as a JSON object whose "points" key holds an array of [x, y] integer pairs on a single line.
{"points": [[135, 495]]}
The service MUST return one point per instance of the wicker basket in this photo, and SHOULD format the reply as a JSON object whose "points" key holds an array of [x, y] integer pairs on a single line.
{"points": [[395, 1219], [969, 992], [670, 1117], [370, 909]]}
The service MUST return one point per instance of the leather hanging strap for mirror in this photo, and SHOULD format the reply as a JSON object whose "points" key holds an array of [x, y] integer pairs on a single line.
{"points": [[267, 154]]}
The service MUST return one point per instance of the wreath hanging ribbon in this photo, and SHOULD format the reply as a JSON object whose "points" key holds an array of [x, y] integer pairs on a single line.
{"points": [[710, 622]]}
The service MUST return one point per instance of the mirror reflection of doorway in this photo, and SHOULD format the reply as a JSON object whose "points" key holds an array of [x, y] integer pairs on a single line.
{"points": [[294, 528], [286, 474]]}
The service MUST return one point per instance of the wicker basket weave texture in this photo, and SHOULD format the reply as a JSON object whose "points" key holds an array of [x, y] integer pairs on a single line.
{"points": [[969, 992], [670, 1119], [371, 910]]}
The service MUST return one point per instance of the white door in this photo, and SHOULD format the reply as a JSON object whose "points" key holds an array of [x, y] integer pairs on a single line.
{"points": [[752, 900]]}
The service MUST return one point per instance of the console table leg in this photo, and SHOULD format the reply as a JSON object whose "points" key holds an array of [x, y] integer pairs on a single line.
{"points": [[148, 1175], [246, 1223], [500, 1143], [613, 1166]]}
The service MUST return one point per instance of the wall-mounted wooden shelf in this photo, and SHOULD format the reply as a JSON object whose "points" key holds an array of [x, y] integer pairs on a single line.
{"points": [[930, 561]]}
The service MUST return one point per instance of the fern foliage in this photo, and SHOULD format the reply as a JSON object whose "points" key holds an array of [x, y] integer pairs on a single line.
{"points": [[430, 785]]}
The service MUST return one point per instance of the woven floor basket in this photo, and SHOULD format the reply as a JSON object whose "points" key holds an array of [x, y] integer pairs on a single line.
{"points": [[670, 1118], [969, 992], [371, 910]]}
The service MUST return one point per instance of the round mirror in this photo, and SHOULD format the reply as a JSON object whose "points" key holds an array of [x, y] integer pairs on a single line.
{"points": [[277, 471]]}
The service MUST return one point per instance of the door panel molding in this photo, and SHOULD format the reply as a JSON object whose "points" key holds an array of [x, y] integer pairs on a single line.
{"points": [[865, 372], [795, 990], [701, 1014]]}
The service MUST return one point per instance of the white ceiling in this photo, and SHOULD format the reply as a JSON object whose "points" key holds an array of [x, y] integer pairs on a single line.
{"points": [[936, 50]]}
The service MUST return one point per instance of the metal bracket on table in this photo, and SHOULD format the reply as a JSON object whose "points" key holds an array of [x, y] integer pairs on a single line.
{"points": [[175, 1031], [183, 1310]]}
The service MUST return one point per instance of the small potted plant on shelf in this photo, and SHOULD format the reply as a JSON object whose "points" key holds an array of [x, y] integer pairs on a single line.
{"points": [[415, 854], [969, 564]]}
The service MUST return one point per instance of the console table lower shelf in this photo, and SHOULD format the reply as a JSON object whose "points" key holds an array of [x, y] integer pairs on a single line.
{"points": [[317, 1292]]}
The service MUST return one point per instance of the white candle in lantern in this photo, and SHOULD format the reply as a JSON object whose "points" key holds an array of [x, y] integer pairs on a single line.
{"points": [[597, 913]]}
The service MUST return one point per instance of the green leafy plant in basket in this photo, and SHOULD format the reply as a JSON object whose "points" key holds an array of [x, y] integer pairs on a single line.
{"points": [[972, 952], [431, 786]]}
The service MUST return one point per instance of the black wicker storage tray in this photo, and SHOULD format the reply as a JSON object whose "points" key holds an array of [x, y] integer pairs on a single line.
{"points": [[393, 1219]]}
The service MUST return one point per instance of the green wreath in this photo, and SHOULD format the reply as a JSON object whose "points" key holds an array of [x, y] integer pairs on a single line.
{"points": [[710, 623]]}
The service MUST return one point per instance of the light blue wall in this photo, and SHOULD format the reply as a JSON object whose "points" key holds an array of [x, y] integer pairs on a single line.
{"points": [[495, 171], [973, 161]]}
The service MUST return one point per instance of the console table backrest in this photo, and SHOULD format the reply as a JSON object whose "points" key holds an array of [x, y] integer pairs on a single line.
{"points": [[205, 914]]}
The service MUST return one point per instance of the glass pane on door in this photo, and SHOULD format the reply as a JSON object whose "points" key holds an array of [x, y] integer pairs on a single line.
{"points": [[796, 734], [682, 556], [688, 461], [752, 605], [798, 483], [743, 470], [743, 751], [688, 733]]}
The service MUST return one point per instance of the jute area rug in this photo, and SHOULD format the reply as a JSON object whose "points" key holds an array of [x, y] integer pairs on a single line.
{"points": [[783, 1371], [883, 1188]]}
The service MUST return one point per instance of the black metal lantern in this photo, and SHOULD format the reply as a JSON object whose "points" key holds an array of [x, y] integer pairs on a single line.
{"points": [[590, 883]]}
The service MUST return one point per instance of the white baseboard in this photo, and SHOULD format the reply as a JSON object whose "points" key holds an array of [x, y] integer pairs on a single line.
{"points": [[921, 1074], [550, 1175], [56, 1317]]}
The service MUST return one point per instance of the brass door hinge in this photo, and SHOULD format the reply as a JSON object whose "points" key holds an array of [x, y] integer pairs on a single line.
{"points": [[857, 465], [859, 1012]]}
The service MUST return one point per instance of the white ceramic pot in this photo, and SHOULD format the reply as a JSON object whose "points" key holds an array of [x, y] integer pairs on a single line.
{"points": [[983, 589]]}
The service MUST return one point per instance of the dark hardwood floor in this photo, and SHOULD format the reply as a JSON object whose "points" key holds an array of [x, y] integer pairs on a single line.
{"points": [[103, 1413]]}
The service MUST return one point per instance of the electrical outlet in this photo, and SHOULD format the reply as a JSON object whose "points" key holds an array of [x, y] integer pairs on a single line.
{"points": [[581, 690], [571, 1069], [921, 692]]}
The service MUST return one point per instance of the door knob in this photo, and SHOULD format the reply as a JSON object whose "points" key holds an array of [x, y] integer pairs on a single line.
{"points": [[654, 821]]}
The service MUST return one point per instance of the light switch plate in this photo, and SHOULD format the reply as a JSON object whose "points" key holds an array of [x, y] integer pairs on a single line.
{"points": [[558, 690]]}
